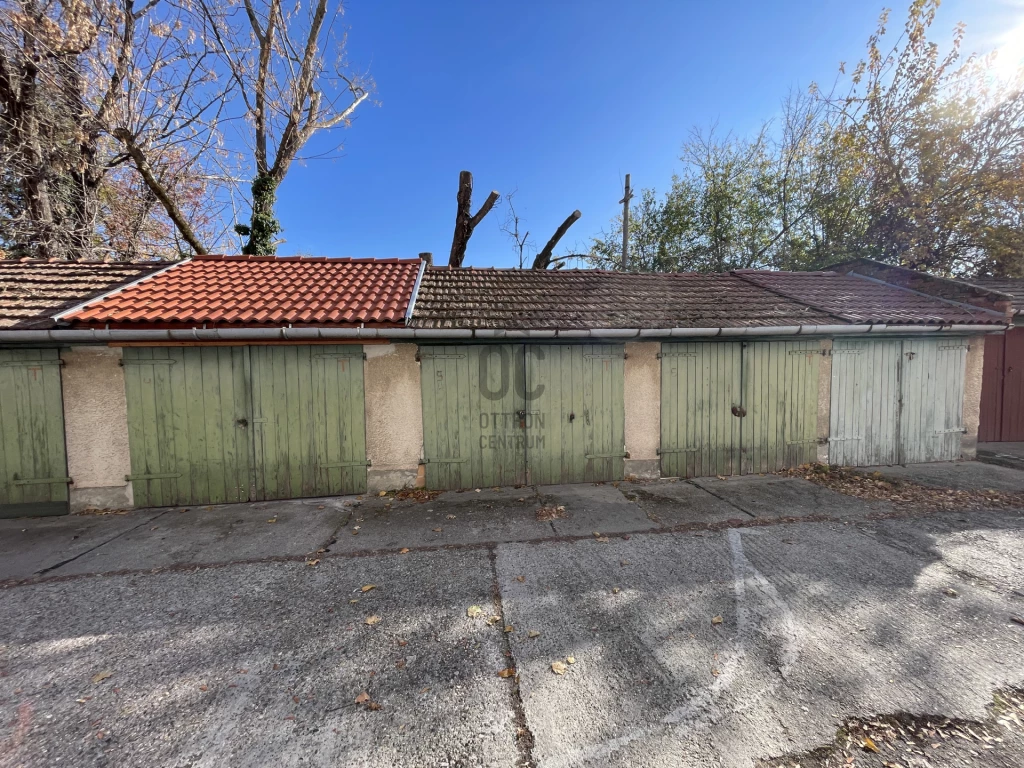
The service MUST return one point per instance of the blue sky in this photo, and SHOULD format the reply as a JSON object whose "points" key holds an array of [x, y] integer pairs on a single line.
{"points": [[559, 100]]}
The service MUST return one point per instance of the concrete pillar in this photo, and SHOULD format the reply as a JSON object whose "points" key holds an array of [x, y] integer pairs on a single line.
{"points": [[824, 399], [643, 409], [394, 417], [972, 396], [96, 428]]}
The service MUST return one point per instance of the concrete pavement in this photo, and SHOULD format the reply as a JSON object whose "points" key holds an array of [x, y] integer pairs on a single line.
{"points": [[218, 644]]}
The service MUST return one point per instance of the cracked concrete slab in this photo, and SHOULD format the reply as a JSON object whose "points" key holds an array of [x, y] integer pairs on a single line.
{"points": [[678, 502], [594, 507], [33, 545], [984, 546], [819, 622], [214, 534], [259, 665], [959, 475], [452, 518], [775, 496]]}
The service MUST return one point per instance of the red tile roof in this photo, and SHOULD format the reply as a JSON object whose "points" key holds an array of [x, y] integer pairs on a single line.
{"points": [[862, 300], [263, 290], [32, 291]]}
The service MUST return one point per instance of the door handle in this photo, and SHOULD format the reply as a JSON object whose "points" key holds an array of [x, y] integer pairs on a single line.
{"points": [[243, 422]]}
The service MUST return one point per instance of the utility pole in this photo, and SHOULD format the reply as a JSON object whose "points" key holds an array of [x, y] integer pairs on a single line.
{"points": [[625, 225]]}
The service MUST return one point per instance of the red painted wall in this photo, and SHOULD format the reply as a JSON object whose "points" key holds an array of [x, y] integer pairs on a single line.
{"points": [[1002, 388]]}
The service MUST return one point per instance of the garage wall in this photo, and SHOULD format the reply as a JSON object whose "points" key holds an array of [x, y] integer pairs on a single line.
{"points": [[394, 417], [643, 409], [96, 426], [973, 376]]}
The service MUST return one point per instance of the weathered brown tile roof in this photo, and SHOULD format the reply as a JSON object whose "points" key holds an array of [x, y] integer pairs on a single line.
{"points": [[32, 292], [585, 299], [263, 290], [861, 300], [1011, 286]]}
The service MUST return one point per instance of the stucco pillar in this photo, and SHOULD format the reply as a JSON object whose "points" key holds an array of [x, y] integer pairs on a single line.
{"points": [[824, 399], [394, 417], [972, 396], [643, 409], [96, 428]]}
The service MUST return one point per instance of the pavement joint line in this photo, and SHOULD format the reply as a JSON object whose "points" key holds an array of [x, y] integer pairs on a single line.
{"points": [[760, 522], [722, 498], [523, 737], [116, 536], [331, 540]]}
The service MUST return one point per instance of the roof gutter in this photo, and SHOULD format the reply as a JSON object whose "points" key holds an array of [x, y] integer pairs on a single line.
{"points": [[87, 335]]}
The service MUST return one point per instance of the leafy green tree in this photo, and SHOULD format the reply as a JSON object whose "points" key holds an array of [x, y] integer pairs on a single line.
{"points": [[917, 158]]}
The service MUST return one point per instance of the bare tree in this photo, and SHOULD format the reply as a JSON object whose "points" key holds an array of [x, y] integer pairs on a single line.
{"points": [[511, 228], [108, 125], [464, 222], [289, 65]]}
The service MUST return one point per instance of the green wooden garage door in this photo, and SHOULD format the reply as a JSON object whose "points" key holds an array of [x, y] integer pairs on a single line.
{"points": [[896, 401], [738, 407], [210, 425], [511, 414], [33, 460]]}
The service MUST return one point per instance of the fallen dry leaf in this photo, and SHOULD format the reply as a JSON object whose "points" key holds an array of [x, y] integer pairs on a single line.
{"points": [[870, 745], [509, 628], [520, 579], [403, 551], [362, 698], [313, 562], [492, 620], [474, 611], [99, 677], [373, 706], [272, 520], [717, 620], [558, 667], [383, 493], [715, 672], [368, 587], [320, 507], [533, 633], [551, 512], [602, 539], [449, 517], [371, 620], [571, 659], [505, 673], [615, 590], [437, 530], [203, 688]]}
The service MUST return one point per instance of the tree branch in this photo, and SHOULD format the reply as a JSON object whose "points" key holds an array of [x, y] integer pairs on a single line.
{"points": [[543, 259], [146, 171]]}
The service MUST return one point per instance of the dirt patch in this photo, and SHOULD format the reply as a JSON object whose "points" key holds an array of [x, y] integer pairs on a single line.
{"points": [[908, 741], [904, 493], [102, 512]]}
